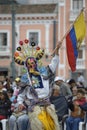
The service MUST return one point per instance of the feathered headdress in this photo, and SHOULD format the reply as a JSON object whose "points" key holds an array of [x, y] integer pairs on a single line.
{"points": [[26, 50]]}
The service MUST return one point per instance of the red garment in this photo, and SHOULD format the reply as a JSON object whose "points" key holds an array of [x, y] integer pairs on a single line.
{"points": [[77, 110], [81, 101], [2, 117]]}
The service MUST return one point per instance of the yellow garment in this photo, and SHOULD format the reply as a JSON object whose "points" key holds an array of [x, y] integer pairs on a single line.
{"points": [[38, 124], [32, 71], [46, 120]]}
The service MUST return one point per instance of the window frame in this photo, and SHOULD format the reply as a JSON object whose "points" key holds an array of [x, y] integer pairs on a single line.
{"points": [[8, 45], [77, 8], [82, 54], [35, 31]]}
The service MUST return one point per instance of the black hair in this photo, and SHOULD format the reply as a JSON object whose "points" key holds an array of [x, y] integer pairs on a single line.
{"points": [[5, 95], [71, 81], [82, 91], [1, 82], [10, 90], [30, 58]]}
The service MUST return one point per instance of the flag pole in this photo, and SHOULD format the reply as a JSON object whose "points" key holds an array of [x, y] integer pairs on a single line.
{"points": [[67, 31]]}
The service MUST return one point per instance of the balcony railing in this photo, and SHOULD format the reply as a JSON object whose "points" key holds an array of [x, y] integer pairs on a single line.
{"points": [[42, 1], [80, 64], [73, 14], [4, 50]]}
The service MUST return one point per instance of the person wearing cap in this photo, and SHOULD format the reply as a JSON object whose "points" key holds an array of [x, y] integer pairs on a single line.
{"points": [[64, 87], [59, 101], [16, 86], [76, 113], [17, 79], [19, 119]]}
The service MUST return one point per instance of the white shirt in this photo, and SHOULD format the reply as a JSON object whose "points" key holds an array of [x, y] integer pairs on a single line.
{"points": [[41, 92]]}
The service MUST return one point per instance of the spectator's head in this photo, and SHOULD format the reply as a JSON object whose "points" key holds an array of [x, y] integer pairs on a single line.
{"points": [[1, 85], [80, 85], [10, 92], [79, 74], [80, 93], [56, 90], [74, 90], [72, 83], [3, 95], [17, 80], [58, 80]]}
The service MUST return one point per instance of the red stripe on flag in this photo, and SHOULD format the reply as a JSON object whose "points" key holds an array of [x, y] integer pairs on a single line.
{"points": [[70, 53]]}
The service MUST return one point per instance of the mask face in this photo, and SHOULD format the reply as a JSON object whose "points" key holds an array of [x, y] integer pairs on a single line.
{"points": [[31, 63]]}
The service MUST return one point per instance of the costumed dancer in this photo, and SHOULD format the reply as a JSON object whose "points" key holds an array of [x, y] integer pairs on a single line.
{"points": [[41, 112]]}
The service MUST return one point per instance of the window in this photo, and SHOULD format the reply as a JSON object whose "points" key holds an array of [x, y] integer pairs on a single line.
{"points": [[80, 54], [77, 4], [33, 37], [3, 41]]}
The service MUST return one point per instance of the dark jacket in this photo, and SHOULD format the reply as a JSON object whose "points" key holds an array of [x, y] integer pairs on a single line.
{"points": [[60, 104], [5, 106], [84, 106]]}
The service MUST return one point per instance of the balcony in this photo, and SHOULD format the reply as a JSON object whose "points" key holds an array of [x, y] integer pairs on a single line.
{"points": [[73, 15], [42, 1], [80, 64], [4, 51]]}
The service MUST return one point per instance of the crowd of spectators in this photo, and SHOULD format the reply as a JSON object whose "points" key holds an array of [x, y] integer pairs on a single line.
{"points": [[69, 98]]}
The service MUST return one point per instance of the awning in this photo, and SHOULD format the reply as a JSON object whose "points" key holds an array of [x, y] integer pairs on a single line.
{"points": [[3, 69]]}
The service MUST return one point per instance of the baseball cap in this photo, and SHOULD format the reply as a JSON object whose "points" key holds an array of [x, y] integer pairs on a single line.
{"points": [[58, 78], [17, 79]]}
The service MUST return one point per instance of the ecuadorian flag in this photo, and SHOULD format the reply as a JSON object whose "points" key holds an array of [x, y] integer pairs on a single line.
{"points": [[74, 39]]}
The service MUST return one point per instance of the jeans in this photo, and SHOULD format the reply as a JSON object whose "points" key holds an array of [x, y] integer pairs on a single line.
{"points": [[72, 123], [20, 123]]}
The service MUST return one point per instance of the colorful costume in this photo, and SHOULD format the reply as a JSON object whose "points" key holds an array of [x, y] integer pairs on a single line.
{"points": [[41, 112]]}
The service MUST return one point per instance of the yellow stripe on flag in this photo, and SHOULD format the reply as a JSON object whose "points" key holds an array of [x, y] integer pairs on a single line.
{"points": [[80, 28]]}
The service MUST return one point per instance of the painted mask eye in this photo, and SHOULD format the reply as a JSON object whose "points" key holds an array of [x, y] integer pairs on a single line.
{"points": [[28, 63]]}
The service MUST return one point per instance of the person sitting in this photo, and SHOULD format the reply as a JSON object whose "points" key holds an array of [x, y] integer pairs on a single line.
{"points": [[10, 92], [19, 119], [60, 103], [77, 114], [64, 87], [5, 106]]}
